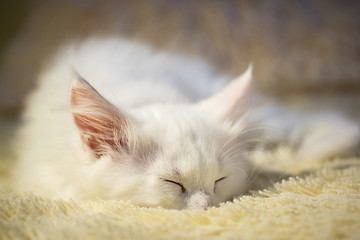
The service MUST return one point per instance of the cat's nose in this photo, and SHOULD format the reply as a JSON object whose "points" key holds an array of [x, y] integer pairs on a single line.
{"points": [[199, 200]]}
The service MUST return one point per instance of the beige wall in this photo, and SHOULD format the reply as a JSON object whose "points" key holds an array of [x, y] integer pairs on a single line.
{"points": [[295, 46]]}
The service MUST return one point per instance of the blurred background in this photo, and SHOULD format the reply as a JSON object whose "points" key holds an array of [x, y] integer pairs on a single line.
{"points": [[300, 49]]}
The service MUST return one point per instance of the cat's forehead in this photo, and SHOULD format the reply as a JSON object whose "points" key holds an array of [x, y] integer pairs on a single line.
{"points": [[187, 140], [178, 120]]}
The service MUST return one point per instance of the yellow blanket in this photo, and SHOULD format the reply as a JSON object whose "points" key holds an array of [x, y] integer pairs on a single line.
{"points": [[322, 205]]}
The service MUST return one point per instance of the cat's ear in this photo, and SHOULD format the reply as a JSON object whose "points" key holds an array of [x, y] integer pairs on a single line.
{"points": [[102, 127], [229, 100]]}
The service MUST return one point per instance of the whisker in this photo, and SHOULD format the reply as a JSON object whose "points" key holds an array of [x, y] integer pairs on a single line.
{"points": [[244, 145], [237, 150], [242, 134]]}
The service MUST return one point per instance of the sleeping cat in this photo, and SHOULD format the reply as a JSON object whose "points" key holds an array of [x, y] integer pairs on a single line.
{"points": [[138, 131], [154, 128]]}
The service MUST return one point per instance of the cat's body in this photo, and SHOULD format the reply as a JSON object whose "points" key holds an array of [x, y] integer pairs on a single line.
{"points": [[152, 141]]}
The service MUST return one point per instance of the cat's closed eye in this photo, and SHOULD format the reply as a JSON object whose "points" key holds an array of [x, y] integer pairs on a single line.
{"points": [[217, 181], [183, 190]]}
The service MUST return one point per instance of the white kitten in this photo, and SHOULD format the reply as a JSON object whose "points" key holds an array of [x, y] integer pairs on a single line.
{"points": [[144, 135], [136, 137]]}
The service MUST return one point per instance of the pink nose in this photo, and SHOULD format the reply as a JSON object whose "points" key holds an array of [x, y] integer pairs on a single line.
{"points": [[199, 199]]}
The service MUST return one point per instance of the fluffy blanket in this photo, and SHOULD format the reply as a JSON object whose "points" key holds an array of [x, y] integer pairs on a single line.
{"points": [[324, 204]]}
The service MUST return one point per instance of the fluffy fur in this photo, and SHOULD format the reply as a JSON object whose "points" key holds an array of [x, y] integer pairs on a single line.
{"points": [[154, 147], [152, 128]]}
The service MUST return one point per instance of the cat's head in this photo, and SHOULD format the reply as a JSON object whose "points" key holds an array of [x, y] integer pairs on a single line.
{"points": [[176, 156]]}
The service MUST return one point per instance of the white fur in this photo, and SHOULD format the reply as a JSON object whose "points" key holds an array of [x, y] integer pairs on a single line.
{"points": [[311, 136], [154, 90], [178, 149]]}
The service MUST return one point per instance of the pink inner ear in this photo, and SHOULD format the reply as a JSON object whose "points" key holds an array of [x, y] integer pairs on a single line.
{"points": [[98, 135], [101, 125]]}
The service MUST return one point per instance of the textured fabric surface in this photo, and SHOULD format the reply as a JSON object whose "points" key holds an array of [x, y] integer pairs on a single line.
{"points": [[322, 205]]}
